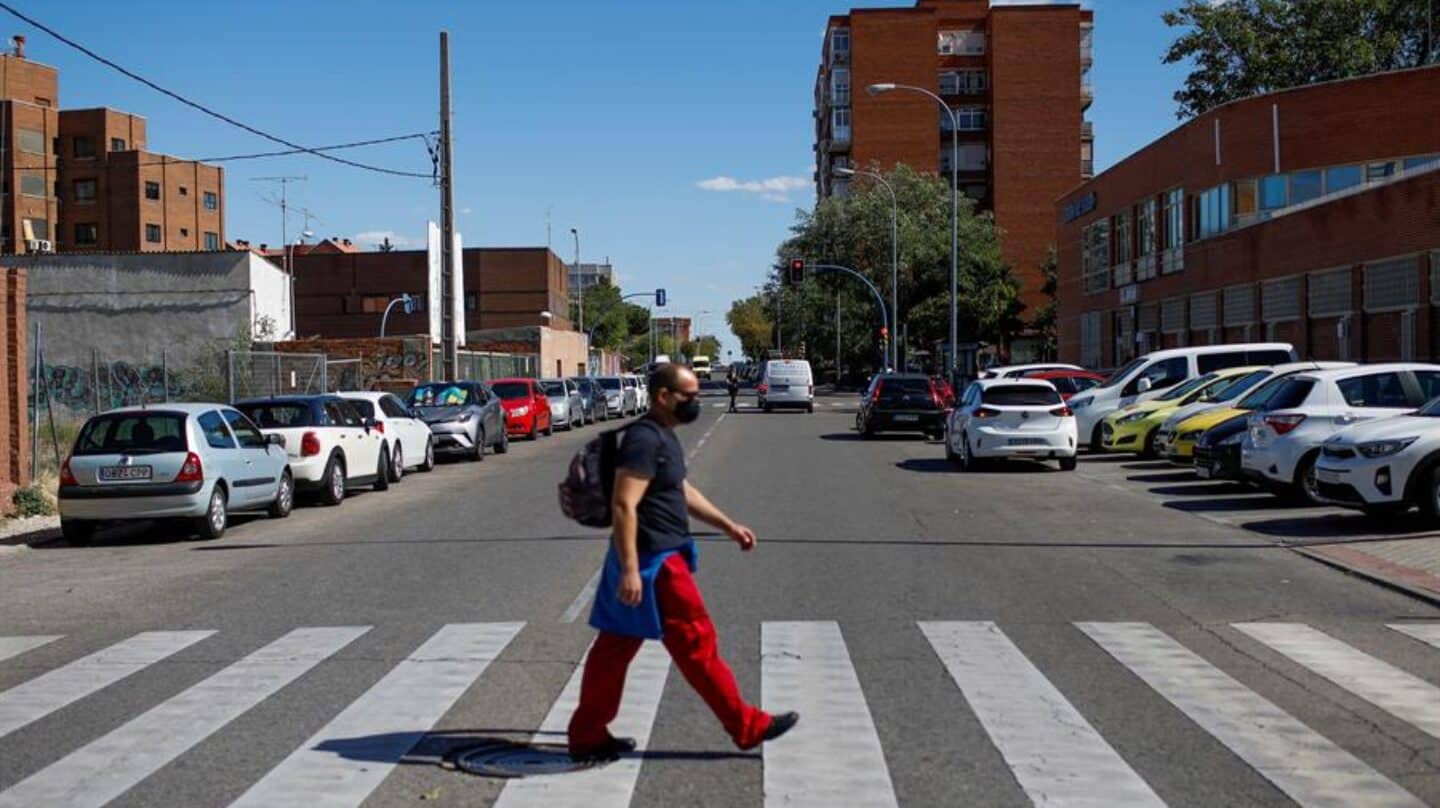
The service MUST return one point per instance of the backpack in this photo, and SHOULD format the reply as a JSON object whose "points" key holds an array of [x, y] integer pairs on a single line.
{"points": [[585, 494]]}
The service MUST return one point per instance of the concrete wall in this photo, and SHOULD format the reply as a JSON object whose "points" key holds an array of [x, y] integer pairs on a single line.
{"points": [[562, 353]]}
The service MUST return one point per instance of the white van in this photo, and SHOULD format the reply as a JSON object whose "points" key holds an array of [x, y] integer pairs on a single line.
{"points": [[786, 383], [701, 366], [1147, 376]]}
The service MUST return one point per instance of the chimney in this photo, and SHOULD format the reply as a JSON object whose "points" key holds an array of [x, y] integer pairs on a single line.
{"points": [[347, 242], [19, 41]]}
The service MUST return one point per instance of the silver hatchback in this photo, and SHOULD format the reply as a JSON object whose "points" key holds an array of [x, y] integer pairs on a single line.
{"points": [[197, 462]]}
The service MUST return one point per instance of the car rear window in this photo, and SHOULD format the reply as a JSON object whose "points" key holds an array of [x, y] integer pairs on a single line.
{"points": [[553, 388], [901, 388], [133, 433], [1375, 390], [1291, 393], [511, 390], [365, 407], [442, 395], [280, 415], [610, 384], [1020, 395]]}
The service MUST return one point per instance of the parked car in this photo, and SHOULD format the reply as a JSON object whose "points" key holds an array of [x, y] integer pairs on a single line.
{"points": [[641, 386], [786, 383], [946, 391], [197, 462], [619, 397], [1009, 418], [331, 448], [412, 446], [1017, 371], [1181, 431], [527, 409], [1217, 450], [593, 402], [1385, 465], [1283, 443], [901, 402], [1147, 376], [1067, 382], [566, 404], [464, 418], [1136, 427]]}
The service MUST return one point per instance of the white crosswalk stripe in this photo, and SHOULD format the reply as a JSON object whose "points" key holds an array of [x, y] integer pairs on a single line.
{"points": [[111, 765], [1312, 770], [1058, 758], [15, 646], [1428, 633], [1407, 697], [37, 698], [609, 786], [341, 764], [833, 756]]}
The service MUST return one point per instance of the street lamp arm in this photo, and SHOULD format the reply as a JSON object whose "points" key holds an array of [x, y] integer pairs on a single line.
{"points": [[879, 299], [384, 318]]}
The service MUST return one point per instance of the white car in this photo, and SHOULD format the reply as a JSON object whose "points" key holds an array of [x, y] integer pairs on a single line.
{"points": [[412, 444], [1386, 465], [1016, 371], [1005, 418], [331, 447], [1283, 443], [620, 398], [642, 390], [199, 462]]}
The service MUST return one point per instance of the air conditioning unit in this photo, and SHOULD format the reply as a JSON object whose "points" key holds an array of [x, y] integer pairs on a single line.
{"points": [[39, 245]]}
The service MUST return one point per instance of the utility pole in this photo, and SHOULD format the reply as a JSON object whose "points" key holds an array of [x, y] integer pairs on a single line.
{"points": [[579, 277], [285, 234], [449, 351], [837, 338]]}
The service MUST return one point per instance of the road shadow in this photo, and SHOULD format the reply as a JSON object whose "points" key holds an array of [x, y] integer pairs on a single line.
{"points": [[584, 538], [1147, 465], [1204, 490], [1104, 457], [140, 533], [927, 465], [1349, 528], [1167, 477], [886, 437], [1258, 502]]}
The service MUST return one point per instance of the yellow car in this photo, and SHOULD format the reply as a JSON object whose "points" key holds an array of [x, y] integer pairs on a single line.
{"points": [[1136, 427]]}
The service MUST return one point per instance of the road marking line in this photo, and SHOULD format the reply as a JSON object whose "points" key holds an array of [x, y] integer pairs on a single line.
{"points": [[833, 756], [1405, 696], [15, 646], [706, 436], [1058, 758], [719, 406], [347, 759], [608, 786], [114, 763], [587, 594], [1303, 764], [1428, 633], [37, 698]]}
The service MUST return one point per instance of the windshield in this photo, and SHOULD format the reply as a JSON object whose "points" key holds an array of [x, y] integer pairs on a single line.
{"points": [[442, 395], [1237, 386], [1262, 394], [511, 391], [1188, 387], [610, 383], [1119, 375], [553, 388], [133, 433]]}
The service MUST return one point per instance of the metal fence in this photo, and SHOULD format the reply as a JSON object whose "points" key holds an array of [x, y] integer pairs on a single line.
{"points": [[260, 374], [344, 374], [483, 366]]}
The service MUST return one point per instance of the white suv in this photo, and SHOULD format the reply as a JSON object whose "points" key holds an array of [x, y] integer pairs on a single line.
{"points": [[1385, 465], [331, 447], [1284, 442]]}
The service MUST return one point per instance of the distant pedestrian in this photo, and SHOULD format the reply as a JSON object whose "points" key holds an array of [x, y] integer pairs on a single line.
{"points": [[646, 589], [732, 386]]}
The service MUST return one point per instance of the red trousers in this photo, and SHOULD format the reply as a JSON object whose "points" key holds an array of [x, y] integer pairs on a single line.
{"points": [[690, 639]]}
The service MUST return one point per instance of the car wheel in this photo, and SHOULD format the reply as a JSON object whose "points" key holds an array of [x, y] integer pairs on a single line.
{"points": [[212, 524], [1095, 441], [550, 427], [810, 409], [968, 462], [1147, 452], [950, 455], [382, 469], [503, 445], [534, 429], [333, 483], [1068, 463], [477, 453], [284, 498], [77, 532], [1306, 487], [429, 463], [1427, 493], [397, 464]]}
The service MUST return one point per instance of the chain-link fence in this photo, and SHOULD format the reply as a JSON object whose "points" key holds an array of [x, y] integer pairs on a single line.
{"points": [[261, 374], [344, 374], [483, 366]]}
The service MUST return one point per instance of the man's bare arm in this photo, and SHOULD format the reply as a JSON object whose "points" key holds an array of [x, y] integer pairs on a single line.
{"points": [[624, 506], [703, 509]]}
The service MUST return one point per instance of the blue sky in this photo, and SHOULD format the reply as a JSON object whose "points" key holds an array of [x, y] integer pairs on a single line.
{"points": [[608, 116]]}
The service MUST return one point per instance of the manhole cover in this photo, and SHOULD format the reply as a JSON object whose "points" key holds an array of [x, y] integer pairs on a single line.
{"points": [[517, 760]]}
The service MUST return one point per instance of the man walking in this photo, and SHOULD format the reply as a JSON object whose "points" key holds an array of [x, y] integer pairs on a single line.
{"points": [[646, 590], [732, 386]]}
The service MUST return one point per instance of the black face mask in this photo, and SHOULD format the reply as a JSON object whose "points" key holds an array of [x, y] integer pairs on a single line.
{"points": [[687, 411]]}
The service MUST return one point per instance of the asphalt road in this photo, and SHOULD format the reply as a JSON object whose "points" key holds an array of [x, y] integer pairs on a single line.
{"points": [[1010, 637]]}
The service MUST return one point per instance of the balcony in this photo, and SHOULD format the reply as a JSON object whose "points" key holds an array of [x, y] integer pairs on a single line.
{"points": [[1087, 55], [1087, 130], [1087, 169], [839, 140], [1087, 94]]}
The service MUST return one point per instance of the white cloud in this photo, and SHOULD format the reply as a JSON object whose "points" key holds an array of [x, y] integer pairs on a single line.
{"points": [[465, 211], [372, 238], [774, 189]]}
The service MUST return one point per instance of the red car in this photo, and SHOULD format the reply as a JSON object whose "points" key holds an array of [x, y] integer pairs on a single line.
{"points": [[527, 410], [1068, 382], [944, 391]]}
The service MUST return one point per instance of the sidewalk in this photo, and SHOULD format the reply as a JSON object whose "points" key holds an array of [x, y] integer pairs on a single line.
{"points": [[1411, 564], [15, 533]]}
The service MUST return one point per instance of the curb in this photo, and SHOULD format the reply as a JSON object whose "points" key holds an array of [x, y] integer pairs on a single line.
{"points": [[1378, 571]]}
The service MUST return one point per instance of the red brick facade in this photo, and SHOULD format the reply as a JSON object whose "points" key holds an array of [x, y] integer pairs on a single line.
{"points": [[1379, 127], [30, 123], [14, 391]]}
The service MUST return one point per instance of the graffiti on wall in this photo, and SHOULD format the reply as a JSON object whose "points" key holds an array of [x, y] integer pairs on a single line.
{"points": [[118, 384]]}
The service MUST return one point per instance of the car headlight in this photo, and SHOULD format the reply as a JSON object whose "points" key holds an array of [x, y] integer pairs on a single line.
{"points": [[1385, 448], [465, 419], [1193, 434], [1132, 417], [521, 412]]}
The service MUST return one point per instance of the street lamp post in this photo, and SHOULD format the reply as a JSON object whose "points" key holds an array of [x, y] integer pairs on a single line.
{"points": [[290, 267], [579, 279], [894, 254], [877, 89]]}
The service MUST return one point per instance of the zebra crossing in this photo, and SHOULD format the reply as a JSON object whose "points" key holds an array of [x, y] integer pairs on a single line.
{"points": [[835, 756]]}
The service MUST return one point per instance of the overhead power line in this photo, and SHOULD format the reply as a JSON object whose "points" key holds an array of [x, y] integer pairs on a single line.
{"points": [[201, 107], [258, 155]]}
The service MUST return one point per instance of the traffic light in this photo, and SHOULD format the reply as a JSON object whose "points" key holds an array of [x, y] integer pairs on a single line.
{"points": [[660, 298], [884, 335], [797, 271]]}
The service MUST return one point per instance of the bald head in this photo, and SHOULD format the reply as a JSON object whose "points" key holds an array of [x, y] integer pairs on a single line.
{"points": [[670, 376]]}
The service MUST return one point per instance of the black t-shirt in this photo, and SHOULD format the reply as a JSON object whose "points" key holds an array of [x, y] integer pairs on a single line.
{"points": [[651, 450]]}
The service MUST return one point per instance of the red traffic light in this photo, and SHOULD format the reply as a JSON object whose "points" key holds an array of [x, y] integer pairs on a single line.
{"points": [[797, 271]]}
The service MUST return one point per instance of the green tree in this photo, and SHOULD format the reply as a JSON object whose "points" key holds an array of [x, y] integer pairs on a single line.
{"points": [[1241, 48], [749, 320], [1047, 319], [605, 315]]}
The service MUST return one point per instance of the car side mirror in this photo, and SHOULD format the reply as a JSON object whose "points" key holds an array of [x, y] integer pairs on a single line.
{"points": [[369, 424], [275, 440], [1144, 384]]}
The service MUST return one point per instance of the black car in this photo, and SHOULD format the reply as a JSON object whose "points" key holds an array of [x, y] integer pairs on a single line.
{"points": [[901, 402], [594, 403], [1217, 451], [464, 417]]}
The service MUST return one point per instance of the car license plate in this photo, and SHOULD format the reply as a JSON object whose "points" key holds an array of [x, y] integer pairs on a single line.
{"points": [[1328, 476], [906, 418], [1203, 471], [780, 388], [123, 473], [1027, 441]]}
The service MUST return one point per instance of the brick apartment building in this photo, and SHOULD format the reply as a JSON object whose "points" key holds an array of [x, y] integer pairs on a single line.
{"points": [[86, 181], [677, 327], [1018, 78], [1310, 216]]}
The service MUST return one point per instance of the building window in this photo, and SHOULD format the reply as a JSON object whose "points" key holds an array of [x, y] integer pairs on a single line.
{"points": [[117, 144], [962, 43], [1090, 349], [1247, 200], [1095, 258], [184, 191], [472, 301], [1172, 315], [1273, 192], [212, 241], [153, 234], [977, 192], [1412, 163], [840, 87], [840, 123], [212, 201], [1329, 293], [1172, 218], [969, 119], [184, 232], [1375, 172], [1215, 211], [32, 141], [1239, 305], [32, 183], [1280, 300], [374, 304], [1124, 248], [86, 234], [1392, 285], [35, 228], [1305, 186], [1145, 228], [962, 82], [973, 157], [84, 146], [839, 41], [1341, 177], [152, 190], [1203, 311], [84, 190]]}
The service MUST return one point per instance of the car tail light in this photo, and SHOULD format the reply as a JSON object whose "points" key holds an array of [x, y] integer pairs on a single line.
{"points": [[875, 395], [812, 390], [762, 387], [380, 427], [986, 412], [191, 471], [309, 445], [66, 477], [1284, 423], [1063, 412]]}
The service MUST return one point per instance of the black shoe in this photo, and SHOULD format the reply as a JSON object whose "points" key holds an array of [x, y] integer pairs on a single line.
{"points": [[781, 724], [607, 752]]}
